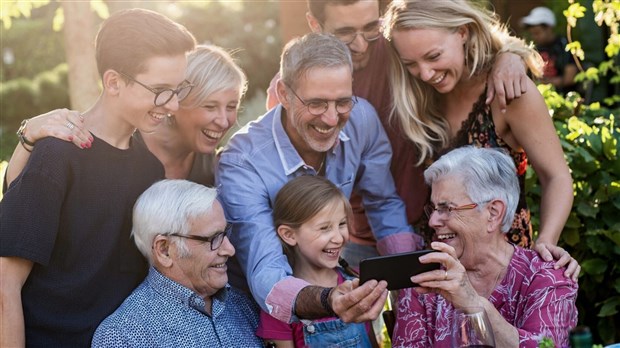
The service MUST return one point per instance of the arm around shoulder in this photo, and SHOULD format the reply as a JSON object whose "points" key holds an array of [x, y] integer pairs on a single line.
{"points": [[531, 127]]}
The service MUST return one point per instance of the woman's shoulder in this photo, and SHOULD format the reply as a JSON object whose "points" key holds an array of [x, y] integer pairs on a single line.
{"points": [[529, 269]]}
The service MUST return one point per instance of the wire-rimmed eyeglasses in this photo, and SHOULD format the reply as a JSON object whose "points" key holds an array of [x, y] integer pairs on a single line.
{"points": [[370, 32], [445, 210], [318, 107], [164, 95], [215, 240]]}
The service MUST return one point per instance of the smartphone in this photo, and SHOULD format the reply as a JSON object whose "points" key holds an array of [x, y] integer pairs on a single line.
{"points": [[396, 269]]}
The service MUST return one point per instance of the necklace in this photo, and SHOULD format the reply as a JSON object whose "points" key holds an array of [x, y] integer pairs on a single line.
{"points": [[501, 270], [321, 167], [318, 172]]}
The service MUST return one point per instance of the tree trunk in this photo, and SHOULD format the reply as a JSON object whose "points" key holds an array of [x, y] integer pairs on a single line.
{"points": [[79, 33]]}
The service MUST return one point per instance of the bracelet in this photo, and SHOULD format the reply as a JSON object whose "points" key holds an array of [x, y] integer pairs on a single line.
{"points": [[24, 146], [325, 301], [22, 138]]}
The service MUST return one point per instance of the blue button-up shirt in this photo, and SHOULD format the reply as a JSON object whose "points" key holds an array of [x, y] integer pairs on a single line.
{"points": [[260, 158], [163, 313]]}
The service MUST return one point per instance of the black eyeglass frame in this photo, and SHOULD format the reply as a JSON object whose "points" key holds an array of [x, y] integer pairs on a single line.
{"points": [[324, 103], [177, 91], [215, 241]]}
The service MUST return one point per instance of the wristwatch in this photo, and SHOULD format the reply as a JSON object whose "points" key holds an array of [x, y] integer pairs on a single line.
{"points": [[21, 136]]}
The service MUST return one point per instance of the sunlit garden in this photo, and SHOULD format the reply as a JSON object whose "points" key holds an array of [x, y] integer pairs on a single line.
{"points": [[35, 78]]}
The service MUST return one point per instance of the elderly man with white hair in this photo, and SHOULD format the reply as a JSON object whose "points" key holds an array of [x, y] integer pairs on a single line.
{"points": [[185, 301]]}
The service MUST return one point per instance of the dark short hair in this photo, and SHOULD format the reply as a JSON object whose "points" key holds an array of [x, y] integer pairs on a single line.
{"points": [[128, 38], [317, 7]]}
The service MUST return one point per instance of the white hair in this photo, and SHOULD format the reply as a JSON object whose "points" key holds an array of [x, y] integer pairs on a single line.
{"points": [[169, 206], [486, 174]]}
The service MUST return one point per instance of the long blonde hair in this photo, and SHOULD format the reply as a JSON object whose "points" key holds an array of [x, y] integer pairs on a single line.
{"points": [[416, 104]]}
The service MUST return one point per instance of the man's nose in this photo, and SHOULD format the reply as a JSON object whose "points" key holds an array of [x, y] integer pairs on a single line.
{"points": [[359, 44]]}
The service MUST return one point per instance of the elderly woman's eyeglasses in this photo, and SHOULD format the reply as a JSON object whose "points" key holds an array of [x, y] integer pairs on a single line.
{"points": [[445, 211], [215, 240], [318, 107], [164, 95]]}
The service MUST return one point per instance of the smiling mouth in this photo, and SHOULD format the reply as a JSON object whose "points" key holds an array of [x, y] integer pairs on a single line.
{"points": [[438, 79], [219, 265], [323, 130], [211, 134], [332, 252], [443, 237], [157, 115]]}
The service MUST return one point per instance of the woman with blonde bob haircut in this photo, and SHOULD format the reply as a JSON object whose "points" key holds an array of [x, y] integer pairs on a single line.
{"points": [[442, 52]]}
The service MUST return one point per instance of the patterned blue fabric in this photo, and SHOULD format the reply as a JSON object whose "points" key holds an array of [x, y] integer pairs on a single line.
{"points": [[163, 313]]}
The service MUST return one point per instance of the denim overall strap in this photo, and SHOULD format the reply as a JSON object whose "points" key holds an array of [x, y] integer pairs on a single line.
{"points": [[335, 333]]}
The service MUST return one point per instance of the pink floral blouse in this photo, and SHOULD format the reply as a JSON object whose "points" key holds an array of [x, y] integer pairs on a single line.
{"points": [[533, 297]]}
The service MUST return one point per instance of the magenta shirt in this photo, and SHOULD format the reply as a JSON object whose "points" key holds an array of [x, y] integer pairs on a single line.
{"points": [[533, 297]]}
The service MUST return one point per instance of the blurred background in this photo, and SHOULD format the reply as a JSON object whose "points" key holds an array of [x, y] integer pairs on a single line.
{"points": [[47, 62], [42, 41]]}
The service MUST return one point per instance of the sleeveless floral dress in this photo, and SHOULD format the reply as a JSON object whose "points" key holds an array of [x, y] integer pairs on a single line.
{"points": [[479, 130]]}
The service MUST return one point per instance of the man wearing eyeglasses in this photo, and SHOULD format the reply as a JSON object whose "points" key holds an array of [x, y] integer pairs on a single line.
{"points": [[185, 300], [320, 128], [357, 23], [66, 257]]}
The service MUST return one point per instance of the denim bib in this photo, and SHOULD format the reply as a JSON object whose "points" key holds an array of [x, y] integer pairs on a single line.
{"points": [[335, 333]]}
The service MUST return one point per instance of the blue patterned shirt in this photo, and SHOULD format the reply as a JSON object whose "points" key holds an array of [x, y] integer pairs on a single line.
{"points": [[163, 313]]}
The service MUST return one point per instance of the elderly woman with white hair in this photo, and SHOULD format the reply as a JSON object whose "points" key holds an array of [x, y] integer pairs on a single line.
{"points": [[185, 301], [475, 193]]}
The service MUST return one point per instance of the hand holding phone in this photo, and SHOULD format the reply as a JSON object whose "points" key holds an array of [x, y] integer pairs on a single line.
{"points": [[396, 269]]}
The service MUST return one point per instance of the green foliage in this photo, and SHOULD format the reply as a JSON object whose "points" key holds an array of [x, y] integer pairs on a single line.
{"points": [[546, 342], [590, 137], [35, 46], [23, 98], [249, 28], [607, 14], [18, 8]]}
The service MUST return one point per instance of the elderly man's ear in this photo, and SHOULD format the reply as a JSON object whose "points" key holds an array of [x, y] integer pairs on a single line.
{"points": [[161, 251], [497, 210], [282, 93]]}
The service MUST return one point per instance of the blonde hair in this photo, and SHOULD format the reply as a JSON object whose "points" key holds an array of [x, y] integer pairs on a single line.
{"points": [[211, 69], [415, 103]]}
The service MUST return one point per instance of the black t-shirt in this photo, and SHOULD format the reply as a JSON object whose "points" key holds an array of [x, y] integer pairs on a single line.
{"points": [[69, 212]]}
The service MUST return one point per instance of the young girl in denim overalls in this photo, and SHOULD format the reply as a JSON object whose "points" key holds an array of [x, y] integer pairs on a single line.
{"points": [[311, 218]]}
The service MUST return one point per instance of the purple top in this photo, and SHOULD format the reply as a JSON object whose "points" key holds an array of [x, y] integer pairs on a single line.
{"points": [[533, 297]]}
